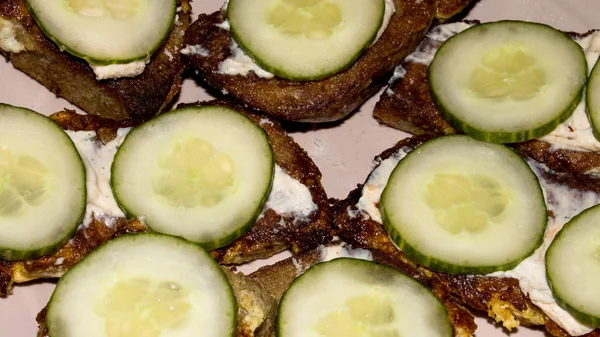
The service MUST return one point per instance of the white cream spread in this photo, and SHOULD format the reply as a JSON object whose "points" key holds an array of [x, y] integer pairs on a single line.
{"points": [[131, 69], [329, 253], [576, 132], [389, 10], [8, 37], [98, 159], [563, 202], [372, 189], [289, 197], [194, 50], [239, 63], [426, 50]]}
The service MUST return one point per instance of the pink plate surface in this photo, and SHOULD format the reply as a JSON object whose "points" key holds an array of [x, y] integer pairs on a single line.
{"points": [[344, 151]]}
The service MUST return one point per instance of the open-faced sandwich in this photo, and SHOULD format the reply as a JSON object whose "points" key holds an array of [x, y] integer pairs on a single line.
{"points": [[115, 59], [356, 301], [229, 180], [150, 284], [509, 77], [308, 60], [495, 229]]}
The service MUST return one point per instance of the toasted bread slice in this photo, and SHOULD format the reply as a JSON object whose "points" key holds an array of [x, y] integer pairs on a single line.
{"points": [[501, 297], [277, 278], [316, 101], [271, 234], [256, 308], [407, 105], [134, 99]]}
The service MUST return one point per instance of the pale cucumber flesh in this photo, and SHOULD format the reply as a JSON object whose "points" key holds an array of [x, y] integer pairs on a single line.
{"points": [[573, 267], [508, 81], [356, 298], [202, 173], [454, 205], [305, 40], [105, 31], [42, 185], [143, 285]]}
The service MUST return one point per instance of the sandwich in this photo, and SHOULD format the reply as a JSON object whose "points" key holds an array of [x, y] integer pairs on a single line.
{"points": [[277, 278], [104, 74], [154, 295], [513, 290], [311, 70], [407, 104]]}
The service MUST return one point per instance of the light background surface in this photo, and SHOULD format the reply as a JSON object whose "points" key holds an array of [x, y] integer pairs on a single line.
{"points": [[343, 151]]}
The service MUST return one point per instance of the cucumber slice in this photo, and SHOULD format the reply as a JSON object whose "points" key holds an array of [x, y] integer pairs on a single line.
{"points": [[461, 206], [508, 81], [593, 99], [42, 185], [305, 40], [355, 298], [105, 31], [143, 285], [203, 173], [573, 267]]}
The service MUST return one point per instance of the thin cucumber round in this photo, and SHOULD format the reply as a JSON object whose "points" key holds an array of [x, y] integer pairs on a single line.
{"points": [[593, 99], [305, 40], [143, 285], [508, 81], [105, 31], [42, 185], [202, 173], [354, 298], [573, 267], [462, 206]]}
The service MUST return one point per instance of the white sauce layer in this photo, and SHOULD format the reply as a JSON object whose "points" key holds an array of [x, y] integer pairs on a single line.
{"points": [[424, 53], [98, 159], [372, 189], [288, 197], [239, 63], [563, 202], [573, 134], [109, 71], [8, 37], [389, 10], [329, 253], [576, 132], [194, 50]]}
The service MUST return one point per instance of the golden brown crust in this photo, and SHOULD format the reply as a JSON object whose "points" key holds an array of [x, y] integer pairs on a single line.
{"points": [[501, 298], [256, 308], [407, 105], [447, 9], [81, 244], [276, 278], [317, 101], [137, 99]]}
